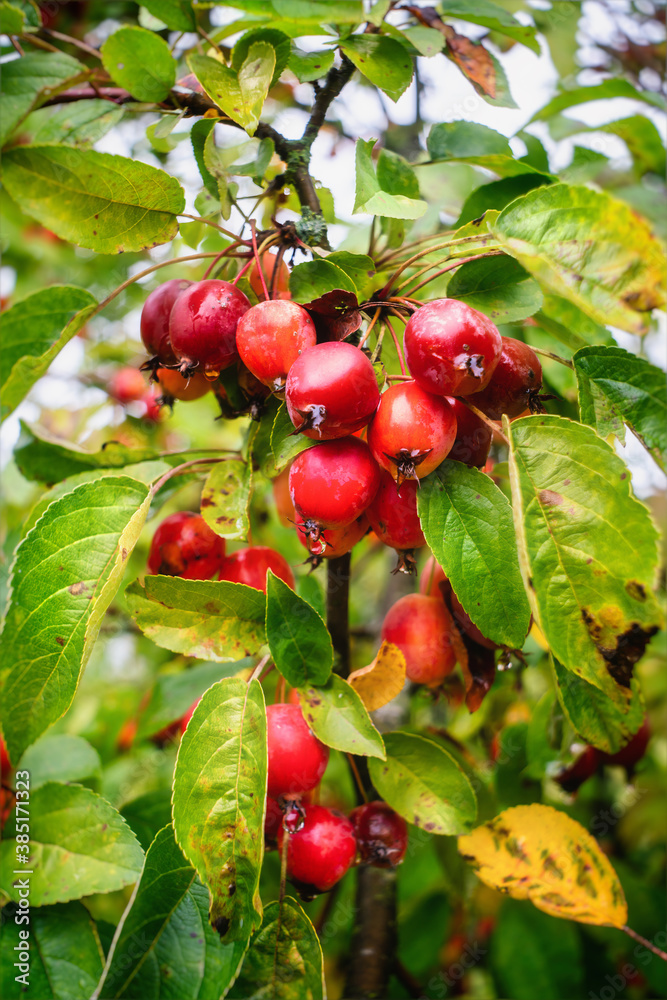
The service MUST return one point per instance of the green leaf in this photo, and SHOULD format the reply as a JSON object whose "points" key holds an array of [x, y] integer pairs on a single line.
{"points": [[601, 92], [590, 248], [12, 19], [298, 638], [176, 14], [140, 61], [498, 194], [225, 499], [284, 961], [615, 388], [66, 957], [34, 331], [534, 954], [421, 40], [595, 717], [382, 60], [309, 66], [358, 266], [315, 278], [241, 96], [396, 176], [66, 572], [80, 123], [60, 758], [279, 42], [462, 140], [46, 459], [424, 784], [493, 17], [199, 135], [79, 845], [219, 801], [165, 936], [95, 200], [173, 694], [468, 526], [497, 286], [318, 11], [214, 620], [588, 574], [338, 717], [29, 81], [145, 472], [372, 198], [285, 444], [568, 324], [643, 140]]}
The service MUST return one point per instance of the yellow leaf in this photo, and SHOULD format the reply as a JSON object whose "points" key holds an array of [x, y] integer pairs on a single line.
{"points": [[538, 853], [382, 679]]}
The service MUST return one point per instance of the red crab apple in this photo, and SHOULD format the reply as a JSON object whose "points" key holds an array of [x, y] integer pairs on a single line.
{"points": [[450, 348], [473, 436], [514, 384], [382, 835], [419, 626], [297, 759], [332, 484], [155, 319], [184, 545], [331, 391], [251, 566], [411, 432], [319, 854], [202, 326], [271, 336]]}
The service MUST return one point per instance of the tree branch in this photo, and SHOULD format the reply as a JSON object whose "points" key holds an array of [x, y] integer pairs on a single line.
{"points": [[338, 596], [373, 947], [336, 79]]}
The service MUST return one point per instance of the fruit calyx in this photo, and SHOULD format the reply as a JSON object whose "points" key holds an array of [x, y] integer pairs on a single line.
{"points": [[313, 417], [406, 562], [407, 463]]}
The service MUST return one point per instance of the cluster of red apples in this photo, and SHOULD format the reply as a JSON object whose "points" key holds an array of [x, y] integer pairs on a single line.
{"points": [[322, 843], [370, 449]]}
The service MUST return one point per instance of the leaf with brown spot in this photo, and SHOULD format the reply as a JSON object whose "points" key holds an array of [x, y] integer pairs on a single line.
{"points": [[383, 679], [284, 961], [538, 853], [424, 784], [591, 576], [337, 716], [211, 619], [219, 801], [225, 499]]}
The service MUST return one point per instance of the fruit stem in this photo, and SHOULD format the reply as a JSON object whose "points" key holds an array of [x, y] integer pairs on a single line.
{"points": [[370, 326], [401, 359], [422, 253], [222, 254], [255, 675], [483, 417], [242, 271], [647, 944], [257, 260], [554, 357], [178, 469], [357, 777], [149, 270], [443, 270], [207, 222], [338, 596]]}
